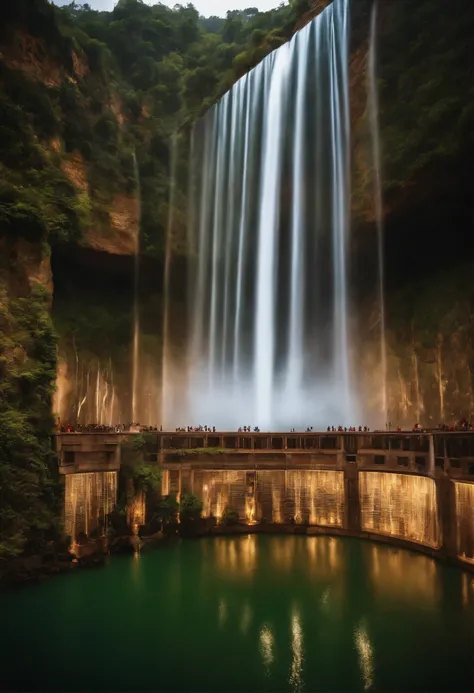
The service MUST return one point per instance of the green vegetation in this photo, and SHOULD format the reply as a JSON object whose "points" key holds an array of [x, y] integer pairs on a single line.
{"points": [[29, 501], [190, 507], [230, 516]]}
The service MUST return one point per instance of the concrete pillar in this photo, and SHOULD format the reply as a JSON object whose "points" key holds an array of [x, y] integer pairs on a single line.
{"points": [[221, 441], [351, 498], [285, 442], [431, 458], [446, 502]]}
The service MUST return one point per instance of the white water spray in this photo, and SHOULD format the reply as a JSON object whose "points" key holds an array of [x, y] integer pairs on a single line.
{"points": [[268, 301]]}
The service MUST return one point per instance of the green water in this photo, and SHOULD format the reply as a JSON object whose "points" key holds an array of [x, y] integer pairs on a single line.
{"points": [[242, 614]]}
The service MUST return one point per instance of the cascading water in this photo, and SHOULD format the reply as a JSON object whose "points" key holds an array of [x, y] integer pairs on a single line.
{"points": [[377, 173], [136, 305], [270, 196]]}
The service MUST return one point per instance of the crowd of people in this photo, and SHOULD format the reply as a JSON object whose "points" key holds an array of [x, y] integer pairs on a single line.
{"points": [[105, 428], [344, 429], [461, 425]]}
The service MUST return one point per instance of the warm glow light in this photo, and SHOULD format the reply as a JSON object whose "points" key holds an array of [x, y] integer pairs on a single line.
{"points": [[220, 489], [266, 648], [89, 498], [317, 495], [296, 672], [136, 511], [165, 483], [399, 505], [365, 651], [465, 520], [250, 510], [236, 557], [397, 574]]}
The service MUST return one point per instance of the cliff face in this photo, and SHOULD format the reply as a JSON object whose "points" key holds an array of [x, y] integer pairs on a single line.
{"points": [[427, 202]]}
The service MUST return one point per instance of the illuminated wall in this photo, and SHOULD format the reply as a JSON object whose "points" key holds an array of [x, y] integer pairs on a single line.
{"points": [[399, 505], [310, 497], [270, 496], [218, 489], [89, 499], [315, 497], [465, 520]]}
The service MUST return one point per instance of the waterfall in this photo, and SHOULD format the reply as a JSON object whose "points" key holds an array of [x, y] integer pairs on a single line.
{"points": [[270, 196], [377, 175], [268, 237], [169, 375], [136, 306]]}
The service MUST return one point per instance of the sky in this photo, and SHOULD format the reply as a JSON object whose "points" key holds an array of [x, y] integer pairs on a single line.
{"points": [[204, 7]]}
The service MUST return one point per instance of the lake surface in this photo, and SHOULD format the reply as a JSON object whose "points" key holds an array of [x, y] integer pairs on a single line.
{"points": [[256, 613]]}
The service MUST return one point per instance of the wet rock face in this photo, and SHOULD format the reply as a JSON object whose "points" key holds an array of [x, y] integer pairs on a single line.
{"points": [[430, 367]]}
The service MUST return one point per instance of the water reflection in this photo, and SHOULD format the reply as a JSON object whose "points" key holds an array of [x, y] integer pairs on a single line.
{"points": [[323, 555], [296, 672], [467, 589], [246, 619], [403, 575], [266, 648], [308, 628], [236, 556], [365, 652], [222, 612]]}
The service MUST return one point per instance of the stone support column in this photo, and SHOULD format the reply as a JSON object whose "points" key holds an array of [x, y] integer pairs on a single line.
{"points": [[431, 458], [446, 502], [351, 498]]}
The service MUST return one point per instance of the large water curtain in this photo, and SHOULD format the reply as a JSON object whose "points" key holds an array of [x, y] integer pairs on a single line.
{"points": [[269, 231]]}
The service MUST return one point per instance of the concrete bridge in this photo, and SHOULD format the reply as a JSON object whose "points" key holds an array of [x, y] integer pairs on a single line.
{"points": [[410, 489], [435, 454]]}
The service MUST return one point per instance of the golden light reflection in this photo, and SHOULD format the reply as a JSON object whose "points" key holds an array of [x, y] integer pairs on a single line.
{"points": [[402, 575], [236, 556], [399, 505], [324, 554], [283, 553], [296, 672], [325, 599], [366, 655], [266, 648], [464, 494]]}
